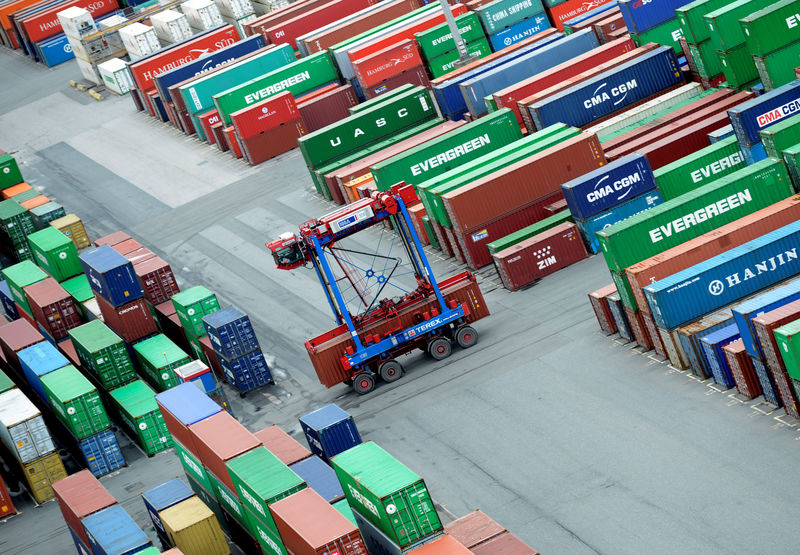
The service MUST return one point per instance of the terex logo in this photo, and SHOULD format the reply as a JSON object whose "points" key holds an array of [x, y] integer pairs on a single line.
{"points": [[604, 189], [603, 94], [716, 287], [370, 506], [253, 501]]}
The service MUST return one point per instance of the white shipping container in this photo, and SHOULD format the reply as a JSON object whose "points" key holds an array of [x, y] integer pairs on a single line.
{"points": [[171, 26], [22, 428], [202, 14], [88, 71], [76, 22], [139, 40], [236, 9], [116, 76], [78, 49], [112, 21], [239, 23]]}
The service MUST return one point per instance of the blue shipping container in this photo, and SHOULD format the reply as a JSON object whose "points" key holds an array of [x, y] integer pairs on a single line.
{"points": [[38, 360], [187, 403], [620, 319], [748, 118], [101, 453], [522, 67], [111, 275], [82, 548], [55, 50], [768, 387], [163, 497], [7, 301], [643, 15], [610, 91], [247, 372], [712, 348], [719, 134], [206, 63], [231, 333], [755, 307], [637, 205], [519, 31], [112, 531], [609, 186], [753, 153], [448, 94], [329, 431], [725, 278], [690, 345], [160, 111], [320, 477]]}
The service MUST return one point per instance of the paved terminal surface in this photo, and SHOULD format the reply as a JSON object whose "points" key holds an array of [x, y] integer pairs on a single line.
{"points": [[572, 440]]}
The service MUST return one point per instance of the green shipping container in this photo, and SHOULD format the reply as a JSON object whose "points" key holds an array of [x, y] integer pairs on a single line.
{"points": [[380, 98], [304, 75], [207, 496], [699, 168], [79, 289], [772, 28], [5, 383], [15, 223], [103, 353], [158, 357], [444, 64], [780, 136], [25, 195], [193, 467], [791, 156], [46, 213], [693, 214], [723, 23], [387, 493], [343, 507], [21, 275], [789, 347], [706, 59], [530, 231], [269, 540], [75, 401], [137, 407], [438, 40], [738, 66], [198, 94], [426, 223], [262, 479], [191, 305], [496, 16], [451, 150], [228, 501], [9, 172], [694, 27], [777, 68], [668, 34], [56, 253], [490, 103]]}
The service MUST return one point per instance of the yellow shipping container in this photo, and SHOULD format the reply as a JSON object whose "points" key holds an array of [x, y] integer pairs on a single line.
{"points": [[72, 226], [40, 475], [194, 529]]}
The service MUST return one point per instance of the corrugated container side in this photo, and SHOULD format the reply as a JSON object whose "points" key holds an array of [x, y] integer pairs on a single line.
{"points": [[78, 496], [329, 430], [601, 309], [742, 369]]}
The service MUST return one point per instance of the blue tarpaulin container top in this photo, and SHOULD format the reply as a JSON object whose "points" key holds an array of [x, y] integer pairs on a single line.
{"points": [[187, 403]]}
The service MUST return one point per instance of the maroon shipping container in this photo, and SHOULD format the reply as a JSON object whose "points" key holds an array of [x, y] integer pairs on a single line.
{"points": [[170, 325], [282, 445], [443, 545], [219, 136], [309, 525], [187, 125], [672, 346], [78, 496], [387, 62], [211, 357], [652, 331], [590, 21], [112, 239], [267, 114], [388, 11], [137, 100], [458, 250], [273, 143], [271, 19], [126, 246], [764, 326], [157, 279], [230, 139], [539, 256], [53, 307], [507, 544], [15, 336], [504, 191], [742, 369], [6, 505], [414, 76], [140, 255], [287, 31], [598, 300], [68, 350], [441, 238], [130, 321], [640, 333], [605, 27], [473, 529], [557, 206], [218, 439], [327, 108]]}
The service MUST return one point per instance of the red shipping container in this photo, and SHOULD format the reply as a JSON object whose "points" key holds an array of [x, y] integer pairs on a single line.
{"points": [[742, 369], [327, 108], [598, 300], [539, 256], [211, 357], [387, 62], [605, 27], [130, 321], [458, 250], [112, 239], [273, 143], [508, 97], [287, 31], [473, 529], [504, 191], [137, 99], [570, 10], [640, 333], [415, 76], [271, 19], [417, 212], [140, 255], [230, 139], [764, 326], [68, 350], [218, 439], [316, 92], [53, 307], [262, 116], [709, 245], [14, 337], [187, 125], [157, 279], [219, 136], [44, 24], [206, 121], [652, 330], [6, 11], [145, 70], [6, 505], [170, 325], [441, 238], [25, 315], [78, 496], [506, 543], [556, 207], [282, 445], [309, 525], [150, 102], [444, 545], [126, 246]]}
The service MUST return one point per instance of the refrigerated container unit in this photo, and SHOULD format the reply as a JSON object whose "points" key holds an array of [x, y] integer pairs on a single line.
{"points": [[136, 405], [103, 353]]}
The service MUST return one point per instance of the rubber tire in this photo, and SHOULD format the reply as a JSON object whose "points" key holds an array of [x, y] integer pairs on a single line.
{"points": [[440, 348], [466, 337], [391, 371], [363, 383]]}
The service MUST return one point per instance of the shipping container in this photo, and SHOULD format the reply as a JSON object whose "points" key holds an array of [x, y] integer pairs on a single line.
{"points": [[749, 118], [103, 353], [694, 27], [132, 320], [18, 277], [755, 306], [136, 406], [22, 428], [72, 226], [767, 382], [474, 529], [329, 430], [504, 543], [231, 332], [712, 345], [519, 31], [620, 317], [287, 449], [442, 65], [191, 305], [38, 360], [101, 453], [640, 16], [9, 171], [438, 40], [771, 28], [56, 253], [709, 63], [75, 401], [220, 438], [158, 357], [693, 171], [7, 302], [328, 107], [765, 326], [688, 345], [111, 275], [668, 34], [14, 337], [500, 14], [738, 66], [786, 337], [80, 495], [157, 279], [379, 543], [386, 63], [113, 531], [15, 225], [80, 291], [274, 142], [345, 510], [319, 477], [742, 369], [723, 23], [193, 528], [387, 493], [46, 213], [264, 115], [443, 545], [41, 473], [529, 231], [6, 383], [599, 301], [774, 69]]}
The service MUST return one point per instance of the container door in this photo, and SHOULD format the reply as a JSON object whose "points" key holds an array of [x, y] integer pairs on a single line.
{"points": [[412, 513]]}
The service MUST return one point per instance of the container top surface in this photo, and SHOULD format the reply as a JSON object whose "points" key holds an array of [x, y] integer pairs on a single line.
{"points": [[94, 335], [83, 493], [79, 288], [187, 403], [191, 369], [20, 333], [444, 545], [115, 530], [49, 239], [788, 330], [312, 518], [504, 543], [223, 435], [224, 316], [167, 494], [282, 445], [324, 417], [724, 335], [6, 383], [264, 473], [735, 347], [15, 407], [773, 295], [42, 358], [46, 292], [149, 265], [790, 310], [319, 476], [24, 273], [103, 259], [136, 397], [185, 514], [10, 208], [160, 351], [375, 469], [112, 238], [67, 383], [191, 296], [474, 528]]}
